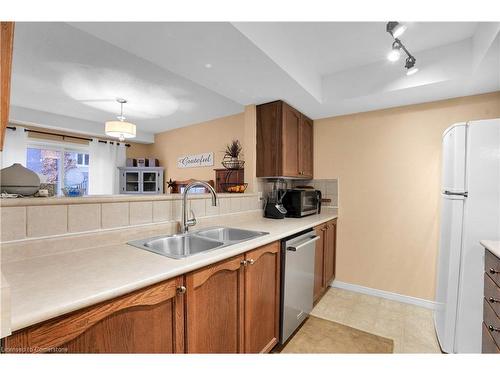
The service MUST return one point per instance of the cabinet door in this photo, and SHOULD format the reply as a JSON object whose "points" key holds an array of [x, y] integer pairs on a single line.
{"points": [[269, 150], [319, 268], [6, 53], [306, 147], [290, 141], [331, 231], [149, 182], [150, 320], [262, 298], [132, 182], [214, 307]]}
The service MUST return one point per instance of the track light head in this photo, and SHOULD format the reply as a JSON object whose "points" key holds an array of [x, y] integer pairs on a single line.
{"points": [[395, 53], [410, 66], [395, 28]]}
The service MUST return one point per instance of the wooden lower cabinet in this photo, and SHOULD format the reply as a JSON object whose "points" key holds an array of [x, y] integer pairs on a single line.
{"points": [[330, 251], [228, 307], [214, 308], [262, 298], [150, 320], [319, 267], [325, 257], [233, 306]]}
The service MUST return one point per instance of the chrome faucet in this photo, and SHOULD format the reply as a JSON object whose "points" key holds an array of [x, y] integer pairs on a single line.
{"points": [[186, 223]]}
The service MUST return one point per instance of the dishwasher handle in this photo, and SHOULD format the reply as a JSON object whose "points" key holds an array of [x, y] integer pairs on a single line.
{"points": [[311, 239]]}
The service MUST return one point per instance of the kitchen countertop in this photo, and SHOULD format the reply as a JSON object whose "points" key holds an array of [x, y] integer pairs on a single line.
{"points": [[49, 286], [493, 246]]}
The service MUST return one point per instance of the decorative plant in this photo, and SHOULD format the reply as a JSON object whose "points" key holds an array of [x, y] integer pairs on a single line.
{"points": [[233, 150]]}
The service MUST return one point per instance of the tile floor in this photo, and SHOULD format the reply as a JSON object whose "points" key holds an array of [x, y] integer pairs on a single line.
{"points": [[411, 327]]}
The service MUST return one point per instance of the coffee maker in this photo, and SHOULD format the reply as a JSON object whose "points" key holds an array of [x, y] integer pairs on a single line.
{"points": [[274, 208]]}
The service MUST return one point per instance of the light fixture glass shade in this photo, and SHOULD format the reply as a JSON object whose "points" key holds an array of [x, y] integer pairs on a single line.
{"points": [[411, 71], [398, 30], [120, 129], [394, 55]]}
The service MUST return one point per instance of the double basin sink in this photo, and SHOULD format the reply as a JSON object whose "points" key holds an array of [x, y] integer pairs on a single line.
{"points": [[179, 246]]}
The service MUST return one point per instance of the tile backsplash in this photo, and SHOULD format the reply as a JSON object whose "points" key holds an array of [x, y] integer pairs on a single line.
{"points": [[329, 188], [24, 221]]}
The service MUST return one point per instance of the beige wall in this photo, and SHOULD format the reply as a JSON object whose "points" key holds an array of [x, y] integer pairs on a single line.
{"points": [[388, 165], [139, 150], [209, 136]]}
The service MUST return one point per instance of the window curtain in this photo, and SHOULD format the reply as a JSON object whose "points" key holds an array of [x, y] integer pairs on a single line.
{"points": [[14, 149], [105, 158]]}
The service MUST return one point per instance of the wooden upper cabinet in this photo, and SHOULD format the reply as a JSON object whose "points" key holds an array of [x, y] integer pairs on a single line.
{"points": [[262, 298], [6, 48], [306, 140], [290, 141], [284, 141], [214, 308], [150, 320]]}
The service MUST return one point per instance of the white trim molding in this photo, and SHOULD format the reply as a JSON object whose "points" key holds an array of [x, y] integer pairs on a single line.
{"points": [[384, 294]]}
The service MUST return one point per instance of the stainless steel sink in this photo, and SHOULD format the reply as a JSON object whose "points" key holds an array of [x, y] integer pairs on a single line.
{"points": [[177, 246], [184, 245], [229, 234]]}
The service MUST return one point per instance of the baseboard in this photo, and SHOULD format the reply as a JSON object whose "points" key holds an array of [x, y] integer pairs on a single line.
{"points": [[383, 294]]}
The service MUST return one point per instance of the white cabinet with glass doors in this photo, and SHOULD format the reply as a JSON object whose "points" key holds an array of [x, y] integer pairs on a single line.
{"points": [[147, 180]]}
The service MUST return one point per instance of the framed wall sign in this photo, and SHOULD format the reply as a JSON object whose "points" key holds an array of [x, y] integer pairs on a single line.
{"points": [[199, 160]]}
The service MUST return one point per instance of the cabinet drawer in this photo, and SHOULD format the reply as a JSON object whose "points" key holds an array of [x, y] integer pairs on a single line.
{"points": [[492, 322], [492, 267], [489, 345], [492, 294]]}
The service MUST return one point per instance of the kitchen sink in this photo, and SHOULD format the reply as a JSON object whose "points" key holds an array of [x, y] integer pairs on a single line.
{"points": [[184, 245], [229, 234]]}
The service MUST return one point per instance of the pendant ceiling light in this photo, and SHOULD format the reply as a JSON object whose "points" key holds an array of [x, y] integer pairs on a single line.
{"points": [[120, 129]]}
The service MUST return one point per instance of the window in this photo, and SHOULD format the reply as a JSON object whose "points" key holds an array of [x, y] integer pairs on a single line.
{"points": [[58, 165]]}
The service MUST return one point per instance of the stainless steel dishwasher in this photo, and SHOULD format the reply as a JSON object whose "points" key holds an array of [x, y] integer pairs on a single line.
{"points": [[297, 281]]}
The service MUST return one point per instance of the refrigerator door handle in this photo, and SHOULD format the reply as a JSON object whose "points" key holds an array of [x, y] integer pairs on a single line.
{"points": [[464, 194]]}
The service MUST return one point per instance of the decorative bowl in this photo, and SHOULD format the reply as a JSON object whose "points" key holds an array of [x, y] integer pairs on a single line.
{"points": [[72, 192], [234, 187]]}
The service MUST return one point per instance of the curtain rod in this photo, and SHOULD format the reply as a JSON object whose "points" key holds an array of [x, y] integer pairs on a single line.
{"points": [[67, 136]]}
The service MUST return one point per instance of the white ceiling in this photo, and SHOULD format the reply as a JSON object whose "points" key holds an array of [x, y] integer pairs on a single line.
{"points": [[68, 75]]}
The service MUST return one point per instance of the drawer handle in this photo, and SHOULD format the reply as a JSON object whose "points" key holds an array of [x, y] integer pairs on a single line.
{"points": [[493, 329], [493, 271], [493, 300]]}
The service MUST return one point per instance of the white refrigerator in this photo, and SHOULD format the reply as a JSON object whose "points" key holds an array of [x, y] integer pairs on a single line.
{"points": [[470, 212]]}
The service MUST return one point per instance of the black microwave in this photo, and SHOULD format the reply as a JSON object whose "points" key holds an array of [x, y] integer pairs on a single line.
{"points": [[302, 202]]}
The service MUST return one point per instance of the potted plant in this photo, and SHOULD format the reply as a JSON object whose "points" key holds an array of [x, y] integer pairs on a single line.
{"points": [[232, 155]]}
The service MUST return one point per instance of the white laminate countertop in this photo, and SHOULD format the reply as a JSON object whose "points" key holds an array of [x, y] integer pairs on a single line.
{"points": [[49, 286], [493, 246]]}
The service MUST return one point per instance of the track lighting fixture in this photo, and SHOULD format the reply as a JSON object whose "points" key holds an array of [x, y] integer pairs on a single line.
{"points": [[396, 29]]}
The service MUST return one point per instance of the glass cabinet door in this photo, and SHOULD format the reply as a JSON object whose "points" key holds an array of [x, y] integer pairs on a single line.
{"points": [[149, 181], [132, 182]]}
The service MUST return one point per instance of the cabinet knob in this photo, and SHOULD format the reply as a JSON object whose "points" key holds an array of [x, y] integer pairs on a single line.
{"points": [[244, 263], [251, 261], [493, 329], [181, 289], [493, 271], [493, 300]]}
